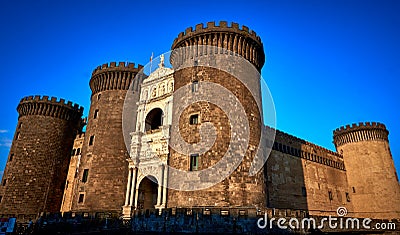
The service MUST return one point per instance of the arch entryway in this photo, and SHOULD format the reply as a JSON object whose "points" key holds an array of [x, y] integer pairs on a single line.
{"points": [[147, 198], [154, 119]]}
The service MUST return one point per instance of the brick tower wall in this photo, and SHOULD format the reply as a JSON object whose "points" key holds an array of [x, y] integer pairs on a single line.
{"points": [[370, 169], [105, 158], [239, 189], [34, 178]]}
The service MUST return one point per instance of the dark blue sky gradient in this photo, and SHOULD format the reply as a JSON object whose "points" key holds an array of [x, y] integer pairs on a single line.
{"points": [[329, 63]]}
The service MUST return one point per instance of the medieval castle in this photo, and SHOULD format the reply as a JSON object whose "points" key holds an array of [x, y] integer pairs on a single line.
{"points": [[53, 166]]}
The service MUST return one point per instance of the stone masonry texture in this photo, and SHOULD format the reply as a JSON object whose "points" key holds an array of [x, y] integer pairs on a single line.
{"points": [[36, 170], [45, 171], [104, 152]]}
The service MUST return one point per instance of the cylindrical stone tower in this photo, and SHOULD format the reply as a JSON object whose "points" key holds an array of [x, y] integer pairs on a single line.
{"points": [[34, 178], [198, 54], [371, 174], [103, 170]]}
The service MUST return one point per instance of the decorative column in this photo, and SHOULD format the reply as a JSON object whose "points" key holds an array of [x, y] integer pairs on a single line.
{"points": [[159, 195], [165, 185], [130, 190], [134, 170], [159, 187], [128, 186], [136, 197]]}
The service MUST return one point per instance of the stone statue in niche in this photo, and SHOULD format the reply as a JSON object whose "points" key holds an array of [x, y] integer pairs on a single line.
{"points": [[162, 89], [161, 64]]}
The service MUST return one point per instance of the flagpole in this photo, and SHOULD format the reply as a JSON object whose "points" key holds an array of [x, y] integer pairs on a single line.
{"points": [[151, 62]]}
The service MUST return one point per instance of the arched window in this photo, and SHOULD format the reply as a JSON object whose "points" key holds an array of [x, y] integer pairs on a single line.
{"points": [[154, 119]]}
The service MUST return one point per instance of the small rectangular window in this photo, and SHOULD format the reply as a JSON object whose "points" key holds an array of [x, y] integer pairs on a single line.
{"points": [[4, 182], [98, 97], [1, 198], [194, 162], [11, 157], [73, 152], [20, 125], [96, 113], [91, 140], [348, 197], [85, 175], [194, 119], [354, 190], [81, 197], [195, 86], [78, 151], [330, 195], [17, 136], [304, 191]]}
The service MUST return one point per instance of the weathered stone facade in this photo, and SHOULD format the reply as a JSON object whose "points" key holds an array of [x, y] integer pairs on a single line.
{"points": [[103, 152], [149, 151], [304, 176], [371, 175], [105, 177], [72, 179], [239, 189], [208, 46], [37, 166]]}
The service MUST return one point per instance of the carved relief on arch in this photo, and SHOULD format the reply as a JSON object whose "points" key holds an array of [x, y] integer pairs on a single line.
{"points": [[171, 86], [153, 92], [145, 94], [162, 89]]}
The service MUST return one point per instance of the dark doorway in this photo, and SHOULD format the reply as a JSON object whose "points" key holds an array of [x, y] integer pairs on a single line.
{"points": [[147, 194], [154, 119]]}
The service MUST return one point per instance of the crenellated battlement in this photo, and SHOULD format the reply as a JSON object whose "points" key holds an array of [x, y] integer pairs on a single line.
{"points": [[240, 40], [53, 100], [295, 146], [212, 27], [49, 106], [112, 66], [359, 126], [363, 131], [305, 142], [111, 76]]}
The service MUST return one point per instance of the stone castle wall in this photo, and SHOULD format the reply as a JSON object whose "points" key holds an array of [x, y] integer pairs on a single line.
{"points": [[35, 174], [298, 175], [239, 188], [191, 58], [305, 176], [72, 176], [104, 152], [370, 169]]}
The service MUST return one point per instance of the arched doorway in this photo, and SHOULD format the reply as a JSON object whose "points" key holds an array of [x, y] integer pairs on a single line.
{"points": [[154, 119], [147, 193]]}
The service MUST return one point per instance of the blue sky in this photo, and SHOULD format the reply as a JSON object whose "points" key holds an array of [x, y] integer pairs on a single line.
{"points": [[329, 63]]}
